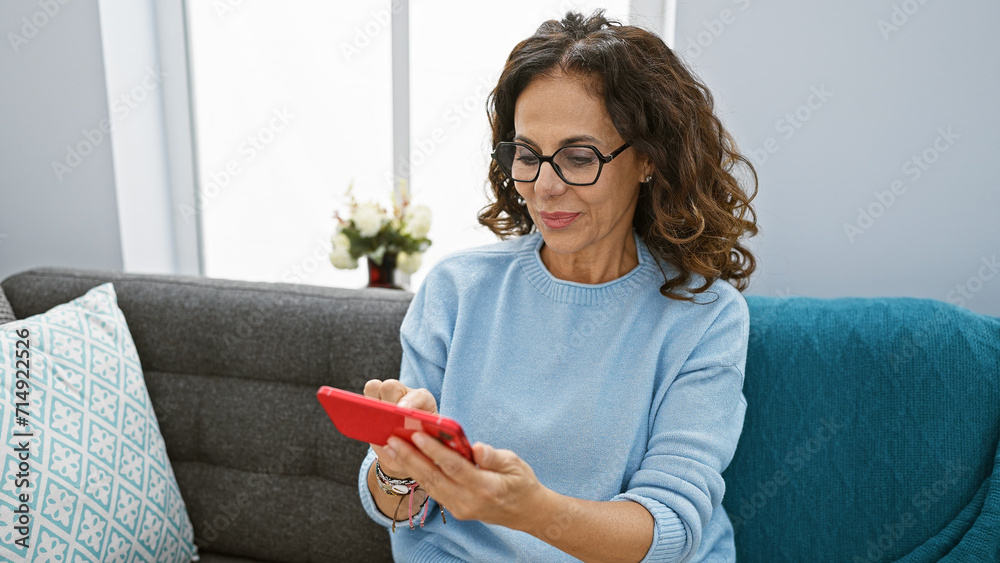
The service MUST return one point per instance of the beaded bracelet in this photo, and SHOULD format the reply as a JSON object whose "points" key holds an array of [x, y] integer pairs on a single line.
{"points": [[392, 486], [389, 486]]}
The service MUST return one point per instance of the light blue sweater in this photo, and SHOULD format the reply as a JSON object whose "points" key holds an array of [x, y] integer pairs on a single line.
{"points": [[610, 392]]}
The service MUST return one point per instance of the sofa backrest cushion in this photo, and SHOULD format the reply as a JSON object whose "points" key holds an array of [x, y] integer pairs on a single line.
{"points": [[871, 425], [6, 313]]}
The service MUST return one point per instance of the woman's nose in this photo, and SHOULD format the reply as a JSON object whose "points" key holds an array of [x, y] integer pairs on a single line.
{"points": [[548, 182]]}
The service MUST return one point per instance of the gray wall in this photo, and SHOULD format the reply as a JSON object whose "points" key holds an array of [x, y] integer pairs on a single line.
{"points": [[875, 132], [52, 90]]}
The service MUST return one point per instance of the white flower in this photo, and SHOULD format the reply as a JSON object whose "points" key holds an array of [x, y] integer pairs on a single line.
{"points": [[408, 263], [340, 241], [343, 260], [418, 221], [368, 219], [340, 256]]}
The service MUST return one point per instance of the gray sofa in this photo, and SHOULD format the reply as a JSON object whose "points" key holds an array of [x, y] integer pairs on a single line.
{"points": [[232, 369]]}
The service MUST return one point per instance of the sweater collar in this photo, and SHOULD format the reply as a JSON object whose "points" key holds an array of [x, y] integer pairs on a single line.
{"points": [[643, 276]]}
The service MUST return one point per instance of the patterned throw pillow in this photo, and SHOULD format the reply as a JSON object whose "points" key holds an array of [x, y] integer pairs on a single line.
{"points": [[85, 474], [6, 313]]}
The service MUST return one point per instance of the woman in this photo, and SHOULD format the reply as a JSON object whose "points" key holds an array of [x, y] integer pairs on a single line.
{"points": [[596, 354]]}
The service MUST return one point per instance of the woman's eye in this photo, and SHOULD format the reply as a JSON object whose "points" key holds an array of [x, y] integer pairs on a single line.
{"points": [[527, 159], [577, 157]]}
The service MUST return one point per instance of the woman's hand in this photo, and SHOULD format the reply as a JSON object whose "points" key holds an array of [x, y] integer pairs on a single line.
{"points": [[500, 488], [393, 391]]}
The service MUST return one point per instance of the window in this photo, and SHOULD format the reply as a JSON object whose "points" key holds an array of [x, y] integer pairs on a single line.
{"points": [[293, 101]]}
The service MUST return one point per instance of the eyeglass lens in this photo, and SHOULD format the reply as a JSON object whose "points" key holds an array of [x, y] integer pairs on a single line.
{"points": [[576, 165]]}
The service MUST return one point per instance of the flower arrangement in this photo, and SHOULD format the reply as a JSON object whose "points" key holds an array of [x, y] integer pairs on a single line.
{"points": [[372, 231]]}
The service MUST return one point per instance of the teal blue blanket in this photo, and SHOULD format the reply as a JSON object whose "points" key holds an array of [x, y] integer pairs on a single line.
{"points": [[871, 433]]}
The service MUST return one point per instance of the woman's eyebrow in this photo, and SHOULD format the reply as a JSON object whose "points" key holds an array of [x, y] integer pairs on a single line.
{"points": [[566, 141]]}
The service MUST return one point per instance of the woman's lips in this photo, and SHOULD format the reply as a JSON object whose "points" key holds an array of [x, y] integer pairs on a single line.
{"points": [[558, 220]]}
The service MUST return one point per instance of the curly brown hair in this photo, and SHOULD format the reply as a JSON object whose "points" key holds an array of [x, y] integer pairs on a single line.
{"points": [[693, 212]]}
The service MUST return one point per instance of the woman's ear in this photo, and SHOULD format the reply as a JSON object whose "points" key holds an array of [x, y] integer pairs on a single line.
{"points": [[646, 167]]}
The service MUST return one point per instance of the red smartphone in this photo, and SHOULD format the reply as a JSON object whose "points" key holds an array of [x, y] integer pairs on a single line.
{"points": [[373, 420]]}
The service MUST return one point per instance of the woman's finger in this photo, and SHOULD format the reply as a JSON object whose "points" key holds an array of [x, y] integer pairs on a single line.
{"points": [[372, 387], [392, 390], [378, 389], [447, 467], [417, 465], [451, 463], [420, 399]]}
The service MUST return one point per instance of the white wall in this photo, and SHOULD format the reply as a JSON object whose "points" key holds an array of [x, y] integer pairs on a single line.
{"points": [[53, 96], [843, 105]]}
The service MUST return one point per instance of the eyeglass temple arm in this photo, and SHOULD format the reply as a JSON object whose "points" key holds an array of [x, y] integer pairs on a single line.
{"points": [[616, 152]]}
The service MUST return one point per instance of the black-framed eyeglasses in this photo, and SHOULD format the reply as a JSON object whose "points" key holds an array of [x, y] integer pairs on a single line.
{"points": [[577, 165]]}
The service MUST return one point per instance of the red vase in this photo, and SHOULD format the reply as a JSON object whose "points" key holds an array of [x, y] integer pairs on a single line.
{"points": [[383, 275]]}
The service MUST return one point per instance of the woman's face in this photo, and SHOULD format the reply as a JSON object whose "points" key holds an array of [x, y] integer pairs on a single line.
{"points": [[555, 111]]}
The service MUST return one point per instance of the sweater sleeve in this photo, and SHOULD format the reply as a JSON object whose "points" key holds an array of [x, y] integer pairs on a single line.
{"points": [[426, 333], [696, 422], [367, 501], [425, 338]]}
